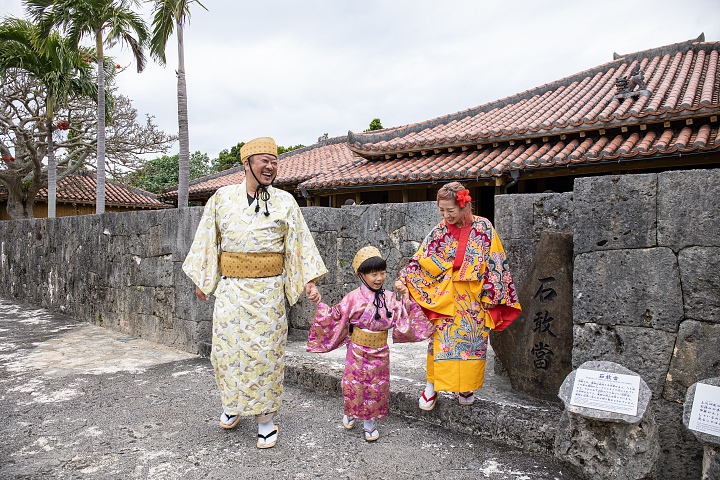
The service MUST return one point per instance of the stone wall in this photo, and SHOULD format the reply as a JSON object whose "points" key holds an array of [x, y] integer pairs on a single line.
{"points": [[124, 270], [646, 283]]}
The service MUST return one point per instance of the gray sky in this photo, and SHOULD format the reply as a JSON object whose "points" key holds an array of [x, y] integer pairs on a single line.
{"points": [[295, 70]]}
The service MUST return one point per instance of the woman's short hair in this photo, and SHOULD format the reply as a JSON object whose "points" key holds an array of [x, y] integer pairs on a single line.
{"points": [[372, 264], [449, 191]]}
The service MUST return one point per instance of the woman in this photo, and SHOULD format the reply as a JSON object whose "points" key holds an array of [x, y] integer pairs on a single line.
{"points": [[460, 277]]}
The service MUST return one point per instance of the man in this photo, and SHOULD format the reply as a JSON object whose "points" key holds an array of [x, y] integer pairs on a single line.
{"points": [[247, 250]]}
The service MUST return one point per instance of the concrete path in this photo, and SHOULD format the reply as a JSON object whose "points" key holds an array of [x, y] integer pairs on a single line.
{"points": [[79, 401]]}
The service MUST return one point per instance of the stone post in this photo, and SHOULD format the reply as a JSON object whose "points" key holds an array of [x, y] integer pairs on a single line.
{"points": [[536, 350], [707, 429], [605, 445]]}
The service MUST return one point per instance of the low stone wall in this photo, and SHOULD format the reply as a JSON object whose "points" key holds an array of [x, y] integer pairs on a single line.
{"points": [[646, 284], [124, 270]]}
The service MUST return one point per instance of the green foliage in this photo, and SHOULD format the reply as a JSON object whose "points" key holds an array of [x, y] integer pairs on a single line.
{"points": [[374, 125], [162, 172], [227, 159], [167, 16], [282, 149]]}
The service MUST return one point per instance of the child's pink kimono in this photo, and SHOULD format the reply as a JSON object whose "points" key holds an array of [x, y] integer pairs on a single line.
{"points": [[366, 381]]}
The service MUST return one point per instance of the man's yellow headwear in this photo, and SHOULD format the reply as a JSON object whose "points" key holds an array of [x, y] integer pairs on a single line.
{"points": [[257, 146]]}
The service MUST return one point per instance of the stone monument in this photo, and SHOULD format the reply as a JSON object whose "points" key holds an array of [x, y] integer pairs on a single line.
{"points": [[615, 438], [701, 414], [535, 351]]}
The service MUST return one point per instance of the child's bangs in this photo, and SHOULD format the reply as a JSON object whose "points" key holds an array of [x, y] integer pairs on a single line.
{"points": [[372, 264]]}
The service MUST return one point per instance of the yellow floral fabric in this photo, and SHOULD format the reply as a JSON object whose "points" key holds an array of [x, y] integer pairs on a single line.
{"points": [[249, 318], [461, 301]]}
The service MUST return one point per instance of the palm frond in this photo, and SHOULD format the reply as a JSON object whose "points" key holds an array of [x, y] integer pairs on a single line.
{"points": [[164, 20]]}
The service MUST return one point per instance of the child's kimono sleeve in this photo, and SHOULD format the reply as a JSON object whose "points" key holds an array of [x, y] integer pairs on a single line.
{"points": [[411, 324], [330, 327]]}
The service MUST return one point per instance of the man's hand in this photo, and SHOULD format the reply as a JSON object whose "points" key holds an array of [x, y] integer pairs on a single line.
{"points": [[312, 292], [200, 294]]}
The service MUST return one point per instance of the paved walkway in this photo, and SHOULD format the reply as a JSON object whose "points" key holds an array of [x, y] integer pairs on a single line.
{"points": [[83, 402]]}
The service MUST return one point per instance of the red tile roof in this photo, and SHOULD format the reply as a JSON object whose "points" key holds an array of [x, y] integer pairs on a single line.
{"points": [[681, 78], [578, 120], [494, 161], [80, 187], [293, 167]]}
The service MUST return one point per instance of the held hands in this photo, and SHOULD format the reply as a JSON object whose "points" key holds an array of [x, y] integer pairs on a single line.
{"points": [[199, 294], [402, 289], [312, 292]]}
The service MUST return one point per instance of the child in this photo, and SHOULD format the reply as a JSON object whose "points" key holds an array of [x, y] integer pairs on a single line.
{"points": [[361, 320]]}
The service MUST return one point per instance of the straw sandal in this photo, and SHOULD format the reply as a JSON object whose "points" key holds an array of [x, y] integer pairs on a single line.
{"points": [[371, 434], [229, 421], [269, 440], [348, 422], [466, 398], [427, 403]]}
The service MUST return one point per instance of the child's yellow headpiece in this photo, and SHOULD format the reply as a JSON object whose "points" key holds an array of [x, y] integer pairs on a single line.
{"points": [[363, 254]]}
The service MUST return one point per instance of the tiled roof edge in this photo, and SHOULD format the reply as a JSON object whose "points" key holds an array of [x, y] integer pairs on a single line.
{"points": [[230, 171], [82, 172], [319, 144], [693, 44], [356, 141], [137, 190], [212, 176]]}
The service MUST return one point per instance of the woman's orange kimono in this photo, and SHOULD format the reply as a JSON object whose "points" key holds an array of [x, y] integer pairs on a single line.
{"points": [[462, 280]]}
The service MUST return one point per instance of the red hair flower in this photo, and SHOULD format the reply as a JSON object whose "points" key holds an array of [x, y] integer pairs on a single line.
{"points": [[463, 197]]}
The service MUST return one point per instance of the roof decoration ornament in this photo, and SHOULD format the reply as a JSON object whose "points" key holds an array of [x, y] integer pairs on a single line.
{"points": [[626, 85]]}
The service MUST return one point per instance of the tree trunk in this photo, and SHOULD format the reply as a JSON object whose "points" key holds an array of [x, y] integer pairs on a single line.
{"points": [[100, 191], [183, 131], [21, 199], [52, 168]]}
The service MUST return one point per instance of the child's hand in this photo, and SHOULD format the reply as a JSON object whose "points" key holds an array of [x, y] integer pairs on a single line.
{"points": [[402, 289], [312, 293]]}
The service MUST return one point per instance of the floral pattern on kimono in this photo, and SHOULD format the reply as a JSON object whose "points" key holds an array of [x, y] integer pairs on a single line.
{"points": [[466, 297], [366, 379], [249, 318]]}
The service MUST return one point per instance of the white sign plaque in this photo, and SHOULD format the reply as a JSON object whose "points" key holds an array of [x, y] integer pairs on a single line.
{"points": [[612, 392], [705, 414]]}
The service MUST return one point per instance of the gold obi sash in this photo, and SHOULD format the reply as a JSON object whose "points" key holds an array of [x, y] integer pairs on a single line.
{"points": [[368, 339], [251, 265]]}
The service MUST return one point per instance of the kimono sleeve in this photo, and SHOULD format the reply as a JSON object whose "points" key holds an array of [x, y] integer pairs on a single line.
{"points": [[330, 328], [411, 324], [202, 263], [499, 293], [303, 262]]}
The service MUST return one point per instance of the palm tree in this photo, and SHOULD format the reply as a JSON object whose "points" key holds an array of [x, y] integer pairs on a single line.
{"points": [[109, 22], [171, 15], [63, 69]]}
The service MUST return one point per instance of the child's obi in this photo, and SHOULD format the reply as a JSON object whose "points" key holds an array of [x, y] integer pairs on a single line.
{"points": [[367, 338], [251, 264]]}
